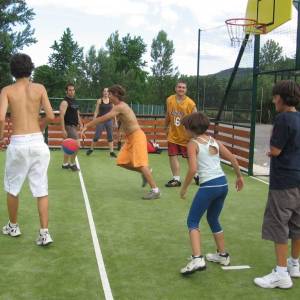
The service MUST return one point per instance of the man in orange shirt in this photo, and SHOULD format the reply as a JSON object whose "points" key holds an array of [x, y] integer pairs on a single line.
{"points": [[178, 106]]}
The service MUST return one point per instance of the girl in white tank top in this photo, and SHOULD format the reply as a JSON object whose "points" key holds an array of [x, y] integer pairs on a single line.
{"points": [[204, 158], [208, 162]]}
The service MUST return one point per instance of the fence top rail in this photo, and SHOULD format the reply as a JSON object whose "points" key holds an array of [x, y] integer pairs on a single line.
{"points": [[278, 71], [138, 115], [95, 99], [79, 99], [232, 124], [42, 113]]}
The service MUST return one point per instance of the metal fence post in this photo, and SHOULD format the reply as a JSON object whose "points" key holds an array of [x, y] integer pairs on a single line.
{"points": [[253, 103]]}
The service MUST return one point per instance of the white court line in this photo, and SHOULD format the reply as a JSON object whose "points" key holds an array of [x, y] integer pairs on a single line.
{"points": [[101, 267], [265, 182], [235, 267]]}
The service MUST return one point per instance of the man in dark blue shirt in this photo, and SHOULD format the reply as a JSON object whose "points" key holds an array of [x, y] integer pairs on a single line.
{"points": [[282, 214]]}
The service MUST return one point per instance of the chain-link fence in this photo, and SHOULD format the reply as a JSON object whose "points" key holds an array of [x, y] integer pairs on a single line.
{"points": [[217, 56], [88, 106]]}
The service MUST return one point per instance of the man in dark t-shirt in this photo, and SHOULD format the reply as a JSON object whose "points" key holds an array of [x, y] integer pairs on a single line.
{"points": [[282, 214], [70, 119]]}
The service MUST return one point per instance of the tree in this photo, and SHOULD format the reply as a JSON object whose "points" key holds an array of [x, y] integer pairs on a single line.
{"points": [[15, 33], [127, 53], [163, 71], [98, 70], [126, 56], [91, 70], [67, 57], [271, 54], [51, 79], [162, 50]]}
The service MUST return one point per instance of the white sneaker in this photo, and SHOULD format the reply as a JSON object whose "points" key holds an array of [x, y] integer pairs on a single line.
{"points": [[222, 259], [151, 195], [11, 230], [293, 268], [195, 264], [274, 280], [44, 239]]}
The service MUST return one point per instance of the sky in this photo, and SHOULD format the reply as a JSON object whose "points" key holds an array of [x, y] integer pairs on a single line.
{"points": [[92, 22]]}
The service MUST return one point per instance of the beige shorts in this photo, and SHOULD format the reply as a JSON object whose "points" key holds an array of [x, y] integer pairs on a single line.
{"points": [[72, 132], [27, 156], [282, 216]]}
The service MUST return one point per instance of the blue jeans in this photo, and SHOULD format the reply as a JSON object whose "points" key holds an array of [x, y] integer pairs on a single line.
{"points": [[210, 197]]}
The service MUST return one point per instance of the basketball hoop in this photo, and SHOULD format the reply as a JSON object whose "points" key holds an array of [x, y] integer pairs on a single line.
{"points": [[239, 27]]}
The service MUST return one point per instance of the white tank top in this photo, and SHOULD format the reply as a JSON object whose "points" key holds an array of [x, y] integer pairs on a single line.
{"points": [[209, 165]]}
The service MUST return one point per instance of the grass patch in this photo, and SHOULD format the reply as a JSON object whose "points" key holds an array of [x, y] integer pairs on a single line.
{"points": [[144, 243]]}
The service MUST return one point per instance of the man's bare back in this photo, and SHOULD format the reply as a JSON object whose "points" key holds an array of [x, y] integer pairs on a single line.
{"points": [[25, 100]]}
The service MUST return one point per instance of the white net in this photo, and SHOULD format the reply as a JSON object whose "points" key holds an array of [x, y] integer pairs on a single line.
{"points": [[218, 59], [238, 27]]}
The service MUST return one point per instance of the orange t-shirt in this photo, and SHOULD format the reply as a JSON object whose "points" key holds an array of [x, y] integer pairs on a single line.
{"points": [[176, 111]]}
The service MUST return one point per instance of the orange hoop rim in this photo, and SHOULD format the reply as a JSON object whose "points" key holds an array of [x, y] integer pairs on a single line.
{"points": [[244, 22]]}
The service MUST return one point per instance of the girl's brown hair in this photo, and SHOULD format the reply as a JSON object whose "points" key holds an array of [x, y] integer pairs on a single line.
{"points": [[196, 122]]}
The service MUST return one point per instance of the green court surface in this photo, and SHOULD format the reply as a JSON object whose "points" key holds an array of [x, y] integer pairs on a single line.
{"points": [[144, 243]]}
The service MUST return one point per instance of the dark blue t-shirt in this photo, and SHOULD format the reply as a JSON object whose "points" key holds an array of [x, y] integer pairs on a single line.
{"points": [[285, 168]]}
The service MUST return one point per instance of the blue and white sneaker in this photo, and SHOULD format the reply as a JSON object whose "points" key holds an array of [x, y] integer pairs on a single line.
{"points": [[12, 230], [222, 259], [293, 269], [44, 239], [274, 280], [195, 264]]}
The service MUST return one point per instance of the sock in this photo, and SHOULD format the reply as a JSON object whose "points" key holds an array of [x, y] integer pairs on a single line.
{"points": [[281, 270], [65, 164], [12, 224], [155, 190], [176, 178], [295, 261], [43, 230], [198, 256]]}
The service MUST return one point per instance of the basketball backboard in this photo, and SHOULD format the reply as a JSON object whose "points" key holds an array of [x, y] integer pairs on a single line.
{"points": [[272, 13]]}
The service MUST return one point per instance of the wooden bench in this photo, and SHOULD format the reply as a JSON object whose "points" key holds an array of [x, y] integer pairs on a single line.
{"points": [[235, 138], [153, 128]]}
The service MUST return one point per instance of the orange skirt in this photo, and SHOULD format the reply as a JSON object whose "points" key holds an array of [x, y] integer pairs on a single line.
{"points": [[134, 152]]}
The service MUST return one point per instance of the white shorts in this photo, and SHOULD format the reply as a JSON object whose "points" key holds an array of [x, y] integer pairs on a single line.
{"points": [[27, 156]]}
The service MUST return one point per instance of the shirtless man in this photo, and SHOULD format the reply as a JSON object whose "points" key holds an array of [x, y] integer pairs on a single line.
{"points": [[133, 155], [27, 155]]}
